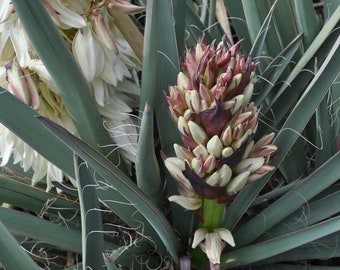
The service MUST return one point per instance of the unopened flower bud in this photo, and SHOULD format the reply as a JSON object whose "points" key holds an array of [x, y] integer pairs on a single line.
{"points": [[237, 132], [260, 172], [239, 119], [209, 164], [102, 32], [197, 166], [249, 164], [176, 167], [227, 151], [189, 203], [182, 81], [267, 139], [200, 150], [183, 153], [124, 7], [236, 144], [205, 94], [193, 100], [198, 134], [213, 179], [226, 136], [238, 103], [234, 82], [213, 247], [182, 125], [263, 151], [214, 146], [248, 92], [238, 182], [225, 174], [21, 85]]}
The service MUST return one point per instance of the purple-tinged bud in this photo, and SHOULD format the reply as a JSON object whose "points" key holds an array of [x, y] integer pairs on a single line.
{"points": [[263, 151], [226, 136], [205, 94], [183, 153], [240, 118], [253, 121], [176, 98], [267, 139], [209, 164], [237, 132], [236, 144], [224, 59], [260, 172]]}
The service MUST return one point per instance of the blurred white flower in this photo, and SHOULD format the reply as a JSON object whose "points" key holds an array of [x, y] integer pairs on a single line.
{"points": [[49, 104], [105, 59]]}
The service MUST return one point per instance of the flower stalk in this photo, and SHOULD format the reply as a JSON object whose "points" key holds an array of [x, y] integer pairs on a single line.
{"points": [[211, 106], [212, 214]]}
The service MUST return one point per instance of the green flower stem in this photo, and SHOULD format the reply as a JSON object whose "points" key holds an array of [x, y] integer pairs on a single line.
{"points": [[212, 214]]}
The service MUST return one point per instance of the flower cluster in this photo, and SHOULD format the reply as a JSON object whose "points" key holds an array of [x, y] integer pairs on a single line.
{"points": [[105, 58], [216, 120]]}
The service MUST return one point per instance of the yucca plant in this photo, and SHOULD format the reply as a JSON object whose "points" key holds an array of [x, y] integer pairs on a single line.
{"points": [[237, 121]]}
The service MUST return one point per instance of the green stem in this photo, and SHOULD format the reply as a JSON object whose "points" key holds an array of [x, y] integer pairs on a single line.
{"points": [[212, 214]]}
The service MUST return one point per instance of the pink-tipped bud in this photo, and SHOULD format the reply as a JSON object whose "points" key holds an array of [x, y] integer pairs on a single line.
{"points": [[183, 153], [101, 29], [21, 85], [209, 164], [124, 7], [263, 151], [226, 136], [237, 132]]}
